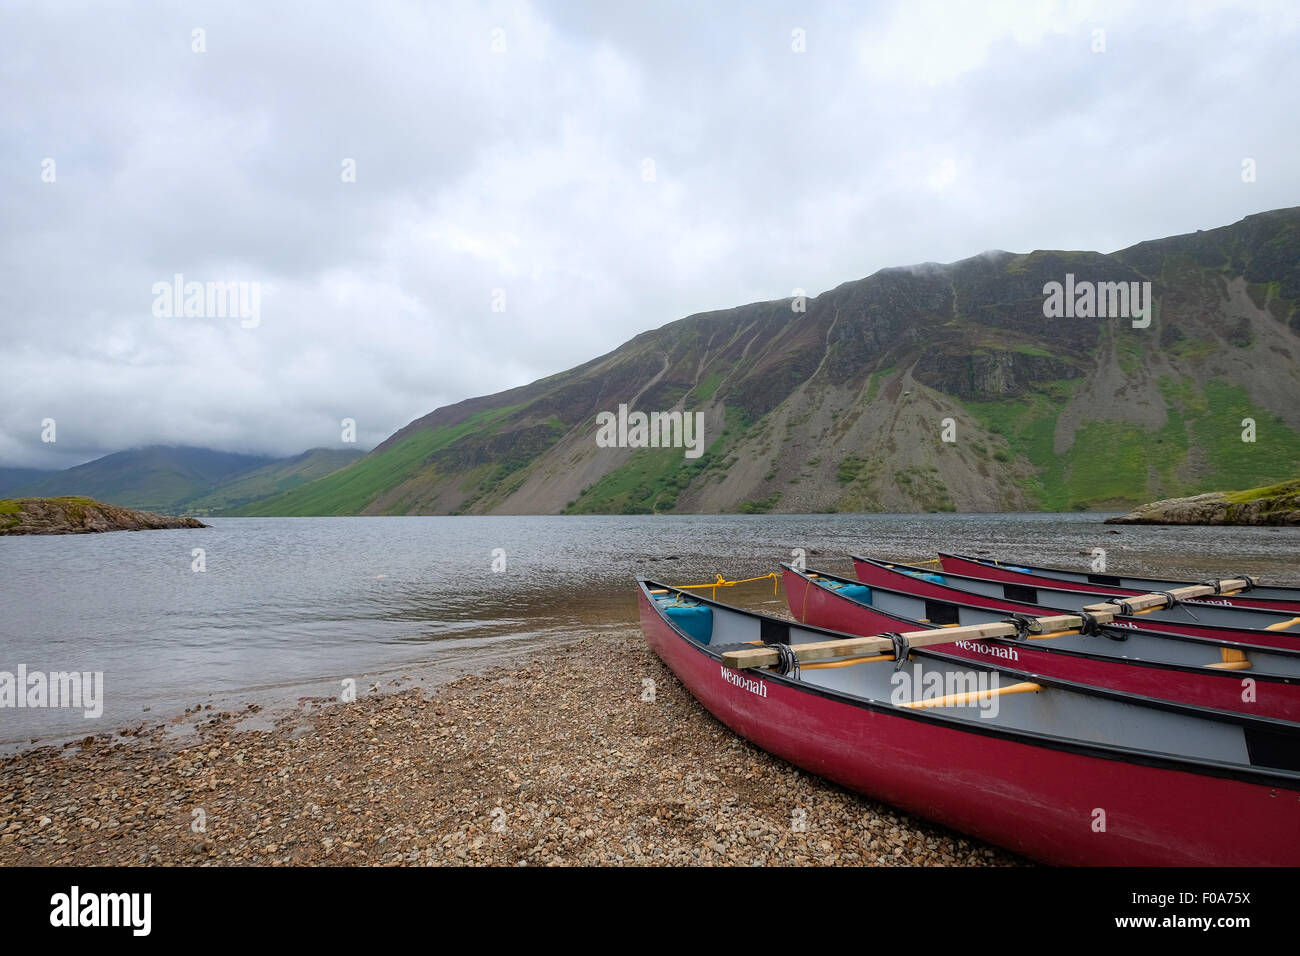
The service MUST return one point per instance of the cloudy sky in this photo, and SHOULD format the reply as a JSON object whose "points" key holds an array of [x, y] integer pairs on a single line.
{"points": [[535, 183]]}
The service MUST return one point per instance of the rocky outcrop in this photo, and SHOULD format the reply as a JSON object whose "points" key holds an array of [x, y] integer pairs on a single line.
{"points": [[1274, 505], [984, 374], [80, 516]]}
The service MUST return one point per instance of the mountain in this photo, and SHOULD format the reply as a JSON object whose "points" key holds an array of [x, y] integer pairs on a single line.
{"points": [[12, 479], [157, 478], [172, 479], [845, 406], [272, 479]]}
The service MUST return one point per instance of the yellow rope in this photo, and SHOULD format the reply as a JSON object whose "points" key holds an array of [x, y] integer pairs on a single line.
{"points": [[934, 561], [724, 583]]}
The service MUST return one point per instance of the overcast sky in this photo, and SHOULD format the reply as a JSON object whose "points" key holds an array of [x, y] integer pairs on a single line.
{"points": [[611, 167]]}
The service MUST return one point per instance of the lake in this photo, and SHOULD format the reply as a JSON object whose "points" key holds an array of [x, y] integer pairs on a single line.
{"points": [[287, 607]]}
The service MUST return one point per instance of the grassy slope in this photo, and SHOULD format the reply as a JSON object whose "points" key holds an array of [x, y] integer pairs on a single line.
{"points": [[351, 489], [1283, 489], [9, 512], [1273, 456], [273, 479], [652, 478], [1112, 462]]}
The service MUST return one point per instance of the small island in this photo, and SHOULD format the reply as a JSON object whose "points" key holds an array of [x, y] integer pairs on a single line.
{"points": [[73, 515], [1272, 505]]}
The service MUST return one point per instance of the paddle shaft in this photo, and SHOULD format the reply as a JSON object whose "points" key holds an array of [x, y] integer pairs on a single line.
{"points": [[867, 646]]}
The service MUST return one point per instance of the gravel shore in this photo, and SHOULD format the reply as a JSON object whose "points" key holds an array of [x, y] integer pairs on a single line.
{"points": [[558, 761]]}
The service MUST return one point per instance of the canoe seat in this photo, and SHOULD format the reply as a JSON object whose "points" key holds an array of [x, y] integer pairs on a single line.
{"points": [[925, 576], [854, 592], [695, 619]]}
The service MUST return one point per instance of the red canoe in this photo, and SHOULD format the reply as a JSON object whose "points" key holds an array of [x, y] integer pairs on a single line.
{"points": [[1004, 597], [1187, 670], [1259, 598], [1059, 773]]}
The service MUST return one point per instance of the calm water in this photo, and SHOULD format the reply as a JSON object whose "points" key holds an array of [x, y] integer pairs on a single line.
{"points": [[285, 602]]}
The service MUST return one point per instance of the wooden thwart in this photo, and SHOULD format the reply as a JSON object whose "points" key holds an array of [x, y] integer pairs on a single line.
{"points": [[1147, 602], [877, 645], [870, 646]]}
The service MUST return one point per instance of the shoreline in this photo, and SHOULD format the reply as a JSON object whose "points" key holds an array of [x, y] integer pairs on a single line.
{"points": [[259, 706], [553, 759]]}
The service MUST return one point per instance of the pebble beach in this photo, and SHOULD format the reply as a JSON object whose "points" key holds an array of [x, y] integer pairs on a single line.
{"points": [[589, 753]]}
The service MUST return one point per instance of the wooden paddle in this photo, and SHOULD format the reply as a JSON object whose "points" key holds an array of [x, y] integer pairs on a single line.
{"points": [[866, 646]]}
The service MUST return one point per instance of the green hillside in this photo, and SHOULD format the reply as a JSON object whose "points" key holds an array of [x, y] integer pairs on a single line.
{"points": [[185, 480], [273, 479], [158, 478], [349, 490], [1115, 464]]}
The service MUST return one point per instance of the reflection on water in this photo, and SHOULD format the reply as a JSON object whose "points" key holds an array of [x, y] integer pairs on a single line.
{"points": [[292, 600]]}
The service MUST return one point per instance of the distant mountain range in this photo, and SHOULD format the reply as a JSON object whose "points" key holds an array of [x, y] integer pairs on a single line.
{"points": [[178, 479], [846, 405]]}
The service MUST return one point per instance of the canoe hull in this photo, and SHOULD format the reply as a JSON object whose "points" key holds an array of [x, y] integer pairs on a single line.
{"points": [[1233, 691], [1055, 805]]}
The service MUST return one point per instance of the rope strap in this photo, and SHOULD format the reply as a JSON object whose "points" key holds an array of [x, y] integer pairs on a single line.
{"points": [[1125, 608], [1217, 583], [1025, 625], [1091, 627], [901, 648], [789, 661], [1170, 600], [724, 583]]}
